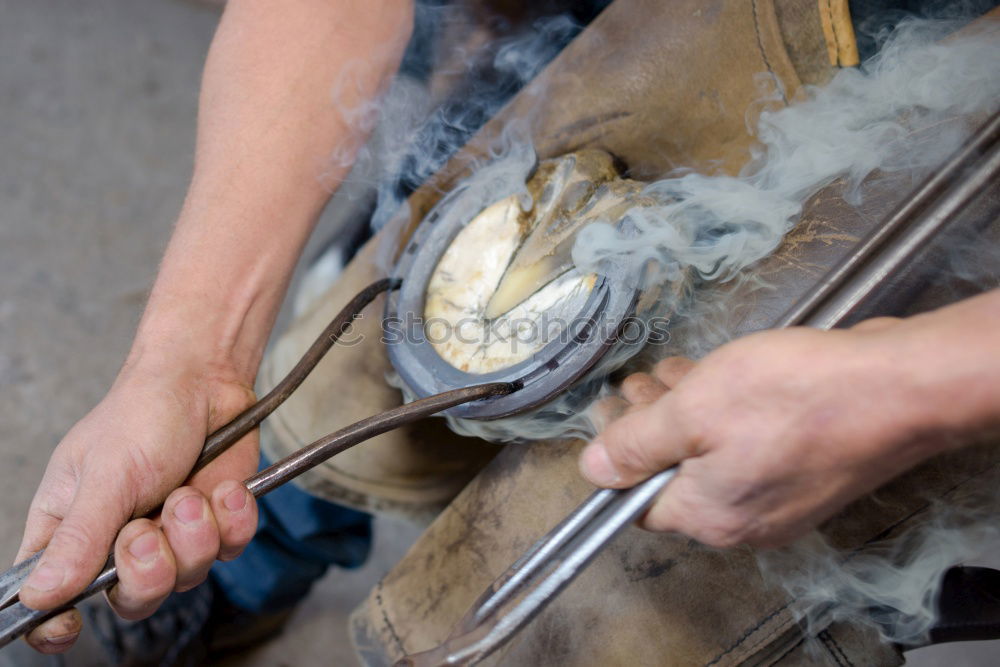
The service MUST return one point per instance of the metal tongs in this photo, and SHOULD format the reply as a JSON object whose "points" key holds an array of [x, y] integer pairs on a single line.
{"points": [[537, 577], [16, 619], [849, 289]]}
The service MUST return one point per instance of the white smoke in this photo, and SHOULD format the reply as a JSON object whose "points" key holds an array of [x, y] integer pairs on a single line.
{"points": [[896, 114], [487, 71], [459, 70], [891, 585], [889, 116]]}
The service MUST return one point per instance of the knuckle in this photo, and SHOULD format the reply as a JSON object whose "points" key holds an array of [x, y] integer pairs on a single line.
{"points": [[74, 538], [146, 470], [138, 589], [671, 367], [642, 388], [725, 532], [236, 534], [685, 509], [195, 553], [57, 634], [191, 582], [659, 518], [691, 417], [631, 454], [132, 530], [636, 383], [606, 410]]}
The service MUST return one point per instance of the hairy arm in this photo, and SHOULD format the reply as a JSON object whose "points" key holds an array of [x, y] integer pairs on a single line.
{"points": [[777, 431], [283, 85]]}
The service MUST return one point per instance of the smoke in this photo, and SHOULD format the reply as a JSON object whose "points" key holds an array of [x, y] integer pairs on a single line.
{"points": [[895, 114], [471, 72], [459, 69], [891, 585], [889, 116]]}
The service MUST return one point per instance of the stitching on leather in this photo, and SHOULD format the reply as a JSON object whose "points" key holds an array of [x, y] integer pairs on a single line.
{"points": [[886, 531], [763, 639], [834, 649], [763, 53], [823, 637], [827, 8], [842, 652], [746, 635], [788, 651], [385, 618]]}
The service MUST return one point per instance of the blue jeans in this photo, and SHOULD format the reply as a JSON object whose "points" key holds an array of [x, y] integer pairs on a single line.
{"points": [[298, 537]]}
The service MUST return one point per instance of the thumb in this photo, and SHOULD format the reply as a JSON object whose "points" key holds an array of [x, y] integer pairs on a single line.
{"points": [[79, 546], [634, 447]]}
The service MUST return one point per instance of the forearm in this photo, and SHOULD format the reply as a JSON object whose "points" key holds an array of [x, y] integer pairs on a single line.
{"points": [[269, 124], [949, 369]]}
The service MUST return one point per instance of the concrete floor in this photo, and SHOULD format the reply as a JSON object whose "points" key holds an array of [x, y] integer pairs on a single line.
{"points": [[97, 103]]}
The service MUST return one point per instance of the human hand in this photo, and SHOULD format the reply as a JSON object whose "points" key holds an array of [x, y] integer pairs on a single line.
{"points": [[121, 461], [774, 432]]}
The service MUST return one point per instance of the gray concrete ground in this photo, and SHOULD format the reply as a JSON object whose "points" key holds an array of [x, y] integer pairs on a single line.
{"points": [[97, 105]]}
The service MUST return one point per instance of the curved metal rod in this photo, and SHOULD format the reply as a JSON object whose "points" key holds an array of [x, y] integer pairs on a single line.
{"points": [[17, 619], [934, 202], [312, 455], [228, 435], [249, 419]]}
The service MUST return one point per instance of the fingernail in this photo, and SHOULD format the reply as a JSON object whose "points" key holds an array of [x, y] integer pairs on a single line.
{"points": [[146, 547], [596, 465], [46, 577], [62, 640], [190, 509], [235, 500]]}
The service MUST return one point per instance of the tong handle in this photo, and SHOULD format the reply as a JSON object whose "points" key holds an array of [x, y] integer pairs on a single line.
{"points": [[15, 617], [17, 620], [551, 564]]}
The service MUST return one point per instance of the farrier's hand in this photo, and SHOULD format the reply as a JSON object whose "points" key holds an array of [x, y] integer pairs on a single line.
{"points": [[121, 461], [267, 128], [777, 431]]}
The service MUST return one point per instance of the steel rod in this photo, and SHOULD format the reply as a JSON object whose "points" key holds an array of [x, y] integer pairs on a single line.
{"points": [[249, 419], [17, 619], [932, 203], [226, 436], [312, 455]]}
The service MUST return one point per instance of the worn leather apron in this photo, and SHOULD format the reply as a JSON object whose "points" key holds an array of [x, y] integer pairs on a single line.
{"points": [[660, 85]]}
